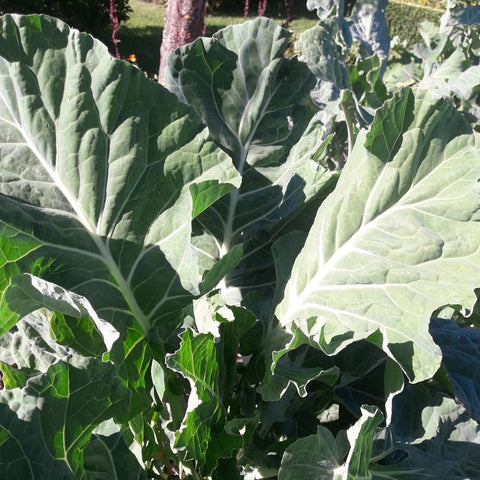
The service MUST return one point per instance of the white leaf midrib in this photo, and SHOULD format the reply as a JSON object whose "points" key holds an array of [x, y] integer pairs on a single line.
{"points": [[105, 253]]}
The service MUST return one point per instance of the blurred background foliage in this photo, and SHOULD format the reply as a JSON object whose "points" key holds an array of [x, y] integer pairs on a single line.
{"points": [[92, 16]]}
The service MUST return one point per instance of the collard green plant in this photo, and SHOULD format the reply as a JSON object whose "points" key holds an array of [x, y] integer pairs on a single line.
{"points": [[189, 289], [447, 62]]}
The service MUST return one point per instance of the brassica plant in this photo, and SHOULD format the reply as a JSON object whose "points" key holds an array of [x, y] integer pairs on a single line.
{"points": [[193, 284]]}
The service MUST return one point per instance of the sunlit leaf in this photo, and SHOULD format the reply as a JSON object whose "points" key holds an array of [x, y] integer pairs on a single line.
{"points": [[397, 239]]}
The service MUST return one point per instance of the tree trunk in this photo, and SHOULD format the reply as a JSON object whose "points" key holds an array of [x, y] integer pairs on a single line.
{"points": [[184, 23], [262, 6]]}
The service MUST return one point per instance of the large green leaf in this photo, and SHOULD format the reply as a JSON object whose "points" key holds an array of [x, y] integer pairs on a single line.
{"points": [[397, 239], [241, 85], [45, 426], [252, 99], [97, 164]]}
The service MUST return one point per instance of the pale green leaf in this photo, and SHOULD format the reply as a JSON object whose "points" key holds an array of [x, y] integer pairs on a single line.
{"points": [[320, 51], [326, 8], [97, 163], [455, 75], [369, 26], [252, 98], [397, 239]]}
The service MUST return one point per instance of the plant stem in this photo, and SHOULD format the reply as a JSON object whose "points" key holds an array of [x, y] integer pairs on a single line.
{"points": [[162, 442], [352, 130]]}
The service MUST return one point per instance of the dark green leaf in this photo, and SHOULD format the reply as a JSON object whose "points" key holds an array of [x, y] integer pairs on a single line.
{"points": [[46, 426], [108, 458], [316, 457], [461, 356]]}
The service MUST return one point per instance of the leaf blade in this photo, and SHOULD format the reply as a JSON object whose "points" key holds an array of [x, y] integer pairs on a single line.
{"points": [[386, 237]]}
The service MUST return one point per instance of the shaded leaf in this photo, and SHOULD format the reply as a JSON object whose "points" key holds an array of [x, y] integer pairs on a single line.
{"points": [[108, 458], [461, 355], [292, 372], [316, 457], [96, 165], [444, 442], [252, 98], [46, 426]]}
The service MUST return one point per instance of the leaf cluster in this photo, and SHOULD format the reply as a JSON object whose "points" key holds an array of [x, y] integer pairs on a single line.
{"points": [[267, 270]]}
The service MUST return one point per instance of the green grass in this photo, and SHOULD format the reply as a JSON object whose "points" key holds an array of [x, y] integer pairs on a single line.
{"points": [[142, 33]]}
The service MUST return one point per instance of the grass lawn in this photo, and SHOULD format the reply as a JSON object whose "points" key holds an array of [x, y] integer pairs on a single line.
{"points": [[142, 33]]}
